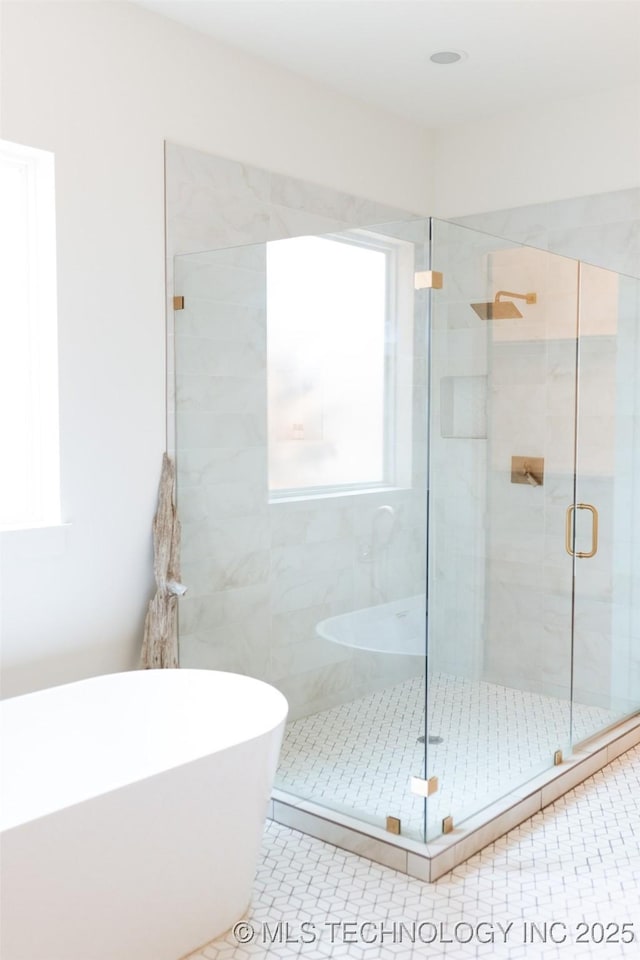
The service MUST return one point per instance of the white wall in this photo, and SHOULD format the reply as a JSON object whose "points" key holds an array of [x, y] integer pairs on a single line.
{"points": [[102, 85], [570, 148]]}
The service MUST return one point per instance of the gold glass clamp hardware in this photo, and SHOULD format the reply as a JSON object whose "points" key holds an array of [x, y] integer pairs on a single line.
{"points": [[584, 555], [424, 787], [428, 280]]}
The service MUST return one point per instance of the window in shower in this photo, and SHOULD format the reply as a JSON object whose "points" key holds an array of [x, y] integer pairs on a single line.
{"points": [[339, 347]]}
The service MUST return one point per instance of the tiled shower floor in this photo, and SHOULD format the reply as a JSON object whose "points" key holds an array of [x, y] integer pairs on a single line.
{"points": [[358, 757]]}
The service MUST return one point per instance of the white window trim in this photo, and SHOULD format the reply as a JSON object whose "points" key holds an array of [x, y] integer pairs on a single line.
{"points": [[398, 403], [43, 337]]}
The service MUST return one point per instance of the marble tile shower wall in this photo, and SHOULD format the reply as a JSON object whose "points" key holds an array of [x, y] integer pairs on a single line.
{"points": [[261, 575], [532, 387], [602, 229], [625, 563]]}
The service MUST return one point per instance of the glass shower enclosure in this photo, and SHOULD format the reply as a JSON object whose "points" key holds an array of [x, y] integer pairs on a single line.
{"points": [[406, 456]]}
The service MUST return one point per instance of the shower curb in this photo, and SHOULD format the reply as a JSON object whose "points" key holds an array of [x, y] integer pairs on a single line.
{"points": [[430, 861]]}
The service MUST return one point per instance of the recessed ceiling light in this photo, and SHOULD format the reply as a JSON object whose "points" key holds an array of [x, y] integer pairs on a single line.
{"points": [[448, 56]]}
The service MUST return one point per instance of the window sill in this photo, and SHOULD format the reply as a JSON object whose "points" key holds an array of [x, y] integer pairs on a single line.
{"points": [[336, 494], [34, 542]]}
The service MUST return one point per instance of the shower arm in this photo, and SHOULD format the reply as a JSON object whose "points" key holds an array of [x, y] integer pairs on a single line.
{"points": [[529, 297]]}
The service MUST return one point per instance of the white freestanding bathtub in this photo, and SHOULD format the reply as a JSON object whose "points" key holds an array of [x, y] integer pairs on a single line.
{"points": [[133, 807]]}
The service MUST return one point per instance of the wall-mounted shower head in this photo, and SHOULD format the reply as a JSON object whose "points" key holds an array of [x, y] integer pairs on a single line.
{"points": [[503, 309]]}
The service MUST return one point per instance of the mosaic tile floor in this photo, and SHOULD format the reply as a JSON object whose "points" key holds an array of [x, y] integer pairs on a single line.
{"points": [[358, 757], [574, 867]]}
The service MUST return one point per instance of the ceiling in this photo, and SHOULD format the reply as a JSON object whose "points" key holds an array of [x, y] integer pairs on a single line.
{"points": [[520, 52]]}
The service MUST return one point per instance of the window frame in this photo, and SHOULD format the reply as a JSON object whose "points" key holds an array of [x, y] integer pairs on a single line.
{"points": [[398, 391], [41, 364]]}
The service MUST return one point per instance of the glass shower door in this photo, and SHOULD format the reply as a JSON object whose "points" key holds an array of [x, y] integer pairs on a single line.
{"points": [[301, 451], [364, 413], [502, 472], [606, 522]]}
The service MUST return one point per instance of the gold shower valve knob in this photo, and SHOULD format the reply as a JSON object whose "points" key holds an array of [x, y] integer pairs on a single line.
{"points": [[528, 470]]}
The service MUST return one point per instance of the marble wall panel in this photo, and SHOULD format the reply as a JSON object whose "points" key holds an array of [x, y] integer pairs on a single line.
{"points": [[262, 574], [499, 576], [534, 385]]}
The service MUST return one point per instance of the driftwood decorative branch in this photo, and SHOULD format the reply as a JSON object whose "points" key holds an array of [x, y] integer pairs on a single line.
{"points": [[160, 642]]}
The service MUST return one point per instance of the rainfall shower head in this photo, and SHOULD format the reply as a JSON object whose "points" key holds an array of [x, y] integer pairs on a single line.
{"points": [[496, 310], [503, 309]]}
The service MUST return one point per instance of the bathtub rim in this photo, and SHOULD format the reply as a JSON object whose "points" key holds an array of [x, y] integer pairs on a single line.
{"points": [[24, 800]]}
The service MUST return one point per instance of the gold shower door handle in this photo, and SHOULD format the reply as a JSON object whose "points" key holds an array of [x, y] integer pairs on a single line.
{"points": [[594, 530]]}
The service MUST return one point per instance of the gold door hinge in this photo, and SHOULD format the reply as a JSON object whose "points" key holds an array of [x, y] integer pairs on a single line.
{"points": [[447, 825], [424, 788], [393, 825], [557, 758], [178, 303], [428, 280]]}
